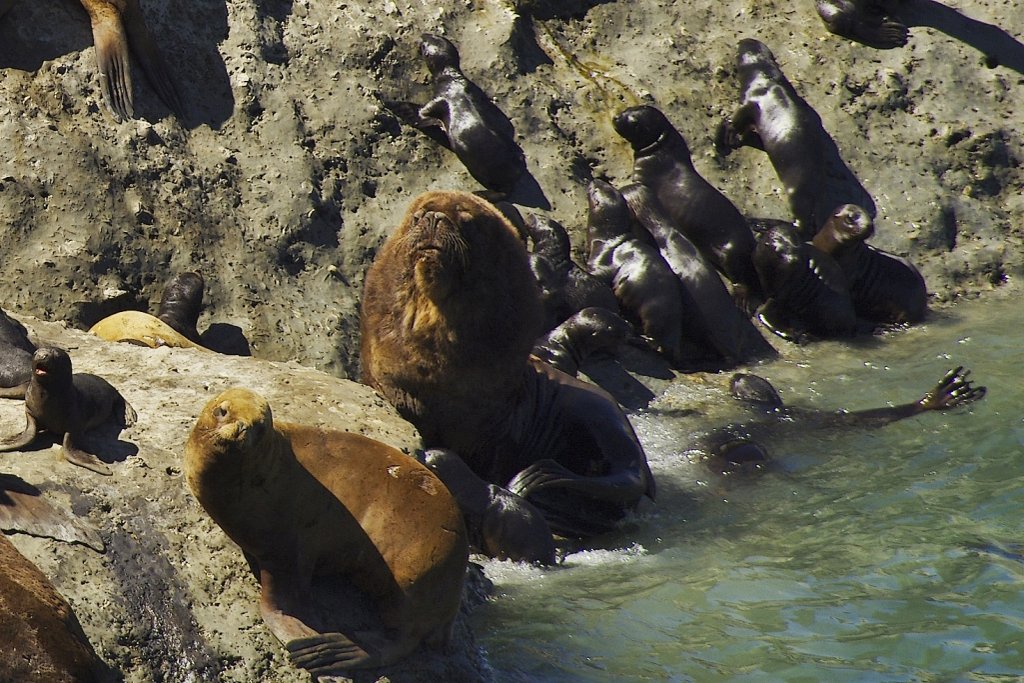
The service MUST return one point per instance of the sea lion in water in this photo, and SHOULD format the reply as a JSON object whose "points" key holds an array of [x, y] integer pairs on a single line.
{"points": [[808, 294], [866, 21], [449, 314], [712, 319], [464, 119], [565, 287], [591, 332], [16, 351], [43, 641], [885, 288], [69, 404], [646, 288], [661, 161], [307, 505], [181, 304], [500, 524], [775, 119]]}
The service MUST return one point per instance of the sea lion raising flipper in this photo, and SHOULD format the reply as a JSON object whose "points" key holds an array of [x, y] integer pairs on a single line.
{"points": [[69, 404], [500, 524], [589, 333], [316, 508], [16, 351], [869, 22]]}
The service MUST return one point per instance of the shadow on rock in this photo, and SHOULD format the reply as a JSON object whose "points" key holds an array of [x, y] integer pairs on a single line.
{"points": [[998, 46]]}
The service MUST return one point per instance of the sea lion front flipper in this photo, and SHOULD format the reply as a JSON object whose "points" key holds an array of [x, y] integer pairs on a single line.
{"points": [[108, 34], [76, 456], [25, 438], [24, 510], [150, 59], [954, 389], [328, 653], [15, 391]]}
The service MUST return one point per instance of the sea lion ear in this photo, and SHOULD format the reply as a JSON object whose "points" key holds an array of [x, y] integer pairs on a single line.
{"points": [[464, 216]]}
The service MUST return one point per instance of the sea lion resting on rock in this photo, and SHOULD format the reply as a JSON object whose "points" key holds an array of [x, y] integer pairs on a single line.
{"points": [[774, 118], [591, 332], [885, 288], [174, 324], [16, 351], [69, 404], [450, 312], [309, 505], [866, 21], [43, 641]]}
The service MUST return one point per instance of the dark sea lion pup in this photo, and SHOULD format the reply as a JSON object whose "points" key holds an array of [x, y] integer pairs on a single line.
{"points": [[774, 118], [866, 21], [182, 303], [16, 351], [316, 507], [500, 524], [661, 161], [69, 404], [885, 288], [591, 332], [450, 312]]}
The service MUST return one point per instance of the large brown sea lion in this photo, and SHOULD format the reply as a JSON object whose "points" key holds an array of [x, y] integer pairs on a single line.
{"points": [[450, 312], [312, 506], [69, 404], [42, 639]]}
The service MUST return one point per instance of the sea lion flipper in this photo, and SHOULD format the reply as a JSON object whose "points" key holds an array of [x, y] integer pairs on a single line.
{"points": [[76, 456], [112, 58], [130, 416], [25, 438], [152, 62], [954, 389], [15, 391], [327, 653], [540, 475]]}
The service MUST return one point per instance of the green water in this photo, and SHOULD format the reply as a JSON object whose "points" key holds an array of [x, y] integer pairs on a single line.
{"points": [[854, 561]]}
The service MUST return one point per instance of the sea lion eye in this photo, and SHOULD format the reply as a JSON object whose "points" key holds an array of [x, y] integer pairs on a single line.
{"points": [[220, 412]]}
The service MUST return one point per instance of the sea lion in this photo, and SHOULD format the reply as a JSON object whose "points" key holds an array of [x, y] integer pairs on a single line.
{"points": [[775, 119], [449, 314], [462, 118], [712, 319], [866, 21], [885, 288], [808, 294], [565, 287], [69, 404], [181, 304], [646, 288], [141, 328], [307, 505], [16, 351], [43, 641], [500, 524], [591, 332], [661, 161], [115, 25]]}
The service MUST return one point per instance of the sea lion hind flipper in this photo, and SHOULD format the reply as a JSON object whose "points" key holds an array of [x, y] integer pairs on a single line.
{"points": [[329, 653], [152, 62], [130, 416], [112, 58], [540, 475], [17, 391], [76, 456], [25, 438]]}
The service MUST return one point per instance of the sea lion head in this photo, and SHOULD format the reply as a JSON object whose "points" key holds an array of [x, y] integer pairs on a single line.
{"points": [[777, 255], [438, 52], [599, 329], [852, 223], [51, 365], [754, 389], [234, 423], [182, 302], [754, 55], [644, 128], [608, 215]]}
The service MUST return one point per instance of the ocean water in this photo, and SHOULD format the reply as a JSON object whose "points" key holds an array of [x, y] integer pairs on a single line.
{"points": [[882, 554]]}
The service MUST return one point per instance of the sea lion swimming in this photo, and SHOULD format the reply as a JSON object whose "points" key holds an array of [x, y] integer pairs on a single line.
{"points": [[449, 315], [866, 21], [314, 507], [16, 351], [591, 332], [885, 288], [775, 119], [661, 161], [71, 405]]}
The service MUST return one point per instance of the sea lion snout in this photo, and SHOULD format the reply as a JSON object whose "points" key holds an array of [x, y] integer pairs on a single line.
{"points": [[50, 360]]}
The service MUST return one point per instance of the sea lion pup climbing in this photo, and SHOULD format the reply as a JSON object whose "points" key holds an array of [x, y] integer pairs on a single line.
{"points": [[450, 312], [869, 22], [43, 640], [70, 405], [775, 119], [565, 287], [885, 288], [464, 119], [16, 351], [311, 507], [661, 161], [591, 332], [644, 285]]}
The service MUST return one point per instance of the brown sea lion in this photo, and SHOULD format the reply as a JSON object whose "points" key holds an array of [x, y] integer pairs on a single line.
{"points": [[500, 524], [661, 161], [866, 21], [711, 318], [462, 118], [69, 404], [181, 303], [450, 312], [774, 118], [589, 333], [885, 288], [42, 639], [646, 288], [313, 506], [16, 351], [565, 287]]}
